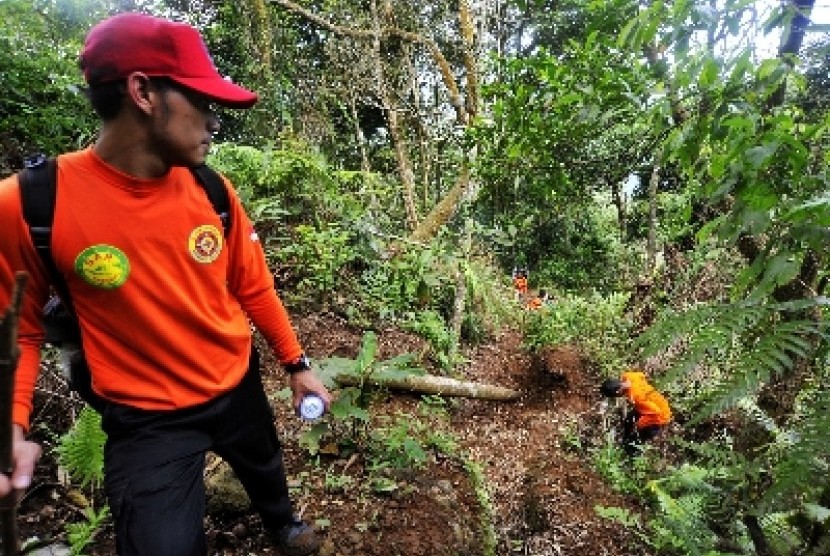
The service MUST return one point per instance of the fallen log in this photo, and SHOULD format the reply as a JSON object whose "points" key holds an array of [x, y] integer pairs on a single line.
{"points": [[431, 384]]}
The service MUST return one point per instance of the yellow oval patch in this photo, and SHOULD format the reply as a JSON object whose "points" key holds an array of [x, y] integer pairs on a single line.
{"points": [[103, 266]]}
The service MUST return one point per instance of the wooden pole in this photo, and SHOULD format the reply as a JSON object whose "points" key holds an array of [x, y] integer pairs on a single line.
{"points": [[9, 354]]}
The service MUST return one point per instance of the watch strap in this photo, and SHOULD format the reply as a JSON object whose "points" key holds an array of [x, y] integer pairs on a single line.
{"points": [[302, 363]]}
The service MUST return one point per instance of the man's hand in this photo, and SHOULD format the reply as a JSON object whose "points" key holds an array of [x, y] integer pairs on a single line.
{"points": [[24, 457], [306, 382]]}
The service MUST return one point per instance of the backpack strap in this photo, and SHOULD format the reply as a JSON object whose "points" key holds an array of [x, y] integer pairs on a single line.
{"points": [[216, 192], [37, 196]]}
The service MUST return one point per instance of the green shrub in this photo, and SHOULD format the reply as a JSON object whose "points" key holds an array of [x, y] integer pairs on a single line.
{"points": [[594, 323]]}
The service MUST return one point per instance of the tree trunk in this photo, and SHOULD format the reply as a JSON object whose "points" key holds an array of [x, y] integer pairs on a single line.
{"points": [[261, 36], [359, 136], [465, 22], [618, 198], [460, 304], [792, 37], [391, 109], [444, 209], [651, 245], [756, 534], [778, 396]]}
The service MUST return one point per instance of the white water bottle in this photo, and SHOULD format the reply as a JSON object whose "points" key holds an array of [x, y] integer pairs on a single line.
{"points": [[312, 407]]}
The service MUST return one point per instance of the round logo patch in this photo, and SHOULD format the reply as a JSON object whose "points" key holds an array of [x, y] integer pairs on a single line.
{"points": [[103, 266], [205, 243]]}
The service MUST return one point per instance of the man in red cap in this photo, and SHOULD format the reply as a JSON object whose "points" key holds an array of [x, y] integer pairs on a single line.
{"points": [[163, 297]]}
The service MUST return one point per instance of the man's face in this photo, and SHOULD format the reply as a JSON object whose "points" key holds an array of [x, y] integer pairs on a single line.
{"points": [[184, 128]]}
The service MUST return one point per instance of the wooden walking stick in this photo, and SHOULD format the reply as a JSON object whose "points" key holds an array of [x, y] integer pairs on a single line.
{"points": [[9, 354]]}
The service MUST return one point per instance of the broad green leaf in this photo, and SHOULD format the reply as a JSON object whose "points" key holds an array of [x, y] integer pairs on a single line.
{"points": [[781, 268], [768, 67], [757, 156], [366, 357], [710, 73], [343, 408], [817, 512]]}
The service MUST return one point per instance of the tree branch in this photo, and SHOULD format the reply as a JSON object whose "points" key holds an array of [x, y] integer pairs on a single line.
{"points": [[367, 34]]}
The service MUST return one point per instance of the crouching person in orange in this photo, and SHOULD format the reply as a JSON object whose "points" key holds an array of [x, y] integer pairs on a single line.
{"points": [[537, 301], [649, 414]]}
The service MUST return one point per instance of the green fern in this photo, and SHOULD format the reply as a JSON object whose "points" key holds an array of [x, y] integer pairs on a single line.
{"points": [[802, 460], [684, 499], [753, 335], [730, 351], [81, 449], [771, 356], [81, 535]]}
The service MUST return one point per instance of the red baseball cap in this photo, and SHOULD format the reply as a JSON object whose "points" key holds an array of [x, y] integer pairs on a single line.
{"points": [[130, 42]]}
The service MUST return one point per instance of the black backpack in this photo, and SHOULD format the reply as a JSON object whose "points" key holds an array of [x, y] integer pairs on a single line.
{"points": [[38, 188]]}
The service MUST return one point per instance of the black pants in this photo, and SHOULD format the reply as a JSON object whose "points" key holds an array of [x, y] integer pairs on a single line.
{"points": [[633, 438], [154, 463]]}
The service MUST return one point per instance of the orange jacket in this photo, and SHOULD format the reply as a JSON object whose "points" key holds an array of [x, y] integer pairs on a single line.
{"points": [[534, 304], [649, 404], [162, 297], [520, 282]]}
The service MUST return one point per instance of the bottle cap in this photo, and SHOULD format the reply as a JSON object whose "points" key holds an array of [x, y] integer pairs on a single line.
{"points": [[312, 407]]}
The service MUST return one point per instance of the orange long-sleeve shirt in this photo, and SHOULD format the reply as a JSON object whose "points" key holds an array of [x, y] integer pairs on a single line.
{"points": [[520, 283], [650, 404], [163, 298]]}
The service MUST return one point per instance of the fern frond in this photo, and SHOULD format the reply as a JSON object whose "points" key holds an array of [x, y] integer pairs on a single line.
{"points": [[684, 510], [804, 462], [751, 341], [366, 358], [772, 356], [81, 449], [700, 333], [80, 535], [671, 326]]}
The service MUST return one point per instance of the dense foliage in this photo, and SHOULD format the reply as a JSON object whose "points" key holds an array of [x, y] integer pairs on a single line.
{"points": [[43, 109], [655, 169]]}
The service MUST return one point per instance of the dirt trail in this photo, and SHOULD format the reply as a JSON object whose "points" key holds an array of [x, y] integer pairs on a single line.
{"points": [[543, 494]]}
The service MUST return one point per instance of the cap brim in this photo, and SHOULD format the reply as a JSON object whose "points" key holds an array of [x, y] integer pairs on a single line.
{"points": [[221, 91]]}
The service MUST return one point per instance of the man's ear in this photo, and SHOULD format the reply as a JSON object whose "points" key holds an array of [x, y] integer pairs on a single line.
{"points": [[141, 92]]}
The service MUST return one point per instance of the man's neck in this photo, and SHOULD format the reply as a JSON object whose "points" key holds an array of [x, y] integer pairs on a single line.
{"points": [[124, 146]]}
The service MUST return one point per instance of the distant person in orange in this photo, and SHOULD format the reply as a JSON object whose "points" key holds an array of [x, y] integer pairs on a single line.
{"points": [[520, 283], [537, 301], [650, 412]]}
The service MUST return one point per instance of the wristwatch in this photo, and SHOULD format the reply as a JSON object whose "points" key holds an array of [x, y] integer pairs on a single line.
{"points": [[302, 363]]}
